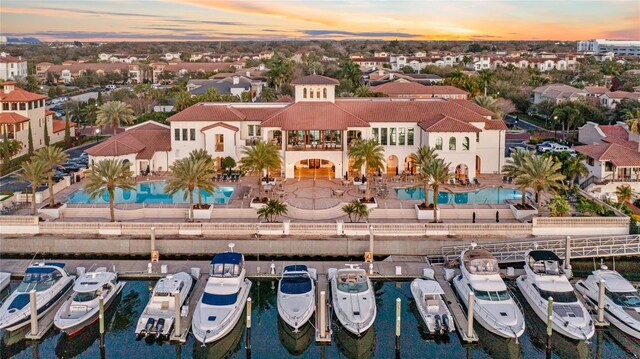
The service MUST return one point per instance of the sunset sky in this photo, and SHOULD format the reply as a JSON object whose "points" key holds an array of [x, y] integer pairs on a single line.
{"points": [[117, 20]]}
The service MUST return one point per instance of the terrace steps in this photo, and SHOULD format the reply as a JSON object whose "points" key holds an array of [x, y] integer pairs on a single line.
{"points": [[317, 214]]}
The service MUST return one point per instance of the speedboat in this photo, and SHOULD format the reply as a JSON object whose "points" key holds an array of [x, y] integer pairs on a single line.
{"points": [[621, 300], [5, 278], [223, 300], [545, 278], [432, 308], [51, 283], [353, 298], [83, 307], [159, 315], [296, 295], [494, 307]]}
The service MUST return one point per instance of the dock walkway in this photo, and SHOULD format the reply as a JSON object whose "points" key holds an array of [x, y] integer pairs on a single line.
{"points": [[185, 322], [459, 315]]}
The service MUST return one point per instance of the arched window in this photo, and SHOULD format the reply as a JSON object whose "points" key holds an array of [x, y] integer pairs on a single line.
{"points": [[304, 92], [310, 93], [318, 93], [324, 92], [465, 144], [439, 143], [452, 144]]}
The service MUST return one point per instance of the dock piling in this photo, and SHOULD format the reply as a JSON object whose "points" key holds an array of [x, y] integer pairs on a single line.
{"points": [[398, 314], [470, 300], [101, 319], [248, 327], [549, 324], [34, 311], [177, 318], [601, 289]]}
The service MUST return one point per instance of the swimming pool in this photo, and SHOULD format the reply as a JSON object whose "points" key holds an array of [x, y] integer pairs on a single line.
{"points": [[490, 195], [153, 192]]}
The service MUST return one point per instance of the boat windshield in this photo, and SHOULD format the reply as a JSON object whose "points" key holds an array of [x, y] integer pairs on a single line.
{"points": [[483, 266], [85, 297], [225, 270], [295, 285], [550, 267], [558, 297], [625, 299], [219, 299], [494, 296], [38, 281], [352, 283]]}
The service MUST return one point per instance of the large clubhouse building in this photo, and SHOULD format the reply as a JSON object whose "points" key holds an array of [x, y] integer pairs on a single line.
{"points": [[315, 130]]}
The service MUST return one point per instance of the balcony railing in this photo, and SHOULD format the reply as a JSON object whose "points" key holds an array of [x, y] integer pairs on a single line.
{"points": [[323, 146]]}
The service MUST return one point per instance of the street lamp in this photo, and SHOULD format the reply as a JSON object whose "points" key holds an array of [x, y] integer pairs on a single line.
{"points": [[555, 127], [97, 134]]}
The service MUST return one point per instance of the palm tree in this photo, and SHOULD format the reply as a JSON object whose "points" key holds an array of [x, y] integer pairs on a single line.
{"points": [[272, 210], [514, 167], [187, 174], [35, 172], [356, 210], [367, 153], [207, 172], [624, 193], [423, 157], [362, 91], [541, 174], [106, 176], [486, 76], [51, 156], [88, 114], [567, 114], [575, 168], [440, 174], [633, 120], [350, 71], [114, 113], [487, 102], [558, 206], [267, 95], [256, 159]]}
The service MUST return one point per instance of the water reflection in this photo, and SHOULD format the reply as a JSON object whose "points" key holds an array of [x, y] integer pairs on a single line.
{"points": [[352, 346], [296, 343], [498, 347], [225, 347]]}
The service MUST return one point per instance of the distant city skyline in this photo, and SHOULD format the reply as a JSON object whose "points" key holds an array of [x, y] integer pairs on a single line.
{"points": [[201, 20]]}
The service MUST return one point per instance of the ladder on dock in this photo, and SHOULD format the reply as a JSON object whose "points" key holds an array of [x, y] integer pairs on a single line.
{"points": [[185, 322], [323, 311], [459, 315], [510, 252]]}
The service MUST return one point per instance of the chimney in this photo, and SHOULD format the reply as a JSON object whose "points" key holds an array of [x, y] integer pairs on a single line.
{"points": [[236, 80]]}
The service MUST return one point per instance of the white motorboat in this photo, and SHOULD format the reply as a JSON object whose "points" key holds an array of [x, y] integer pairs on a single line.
{"points": [[494, 307], [296, 295], [353, 298], [158, 316], [545, 278], [621, 300], [51, 283], [432, 308], [83, 307], [223, 300], [5, 278]]}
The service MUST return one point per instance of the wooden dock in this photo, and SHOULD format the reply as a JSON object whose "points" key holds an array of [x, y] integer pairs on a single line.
{"points": [[185, 322], [323, 285], [459, 315], [46, 322]]}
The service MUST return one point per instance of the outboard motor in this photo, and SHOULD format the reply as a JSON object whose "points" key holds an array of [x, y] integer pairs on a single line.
{"points": [[438, 323], [159, 327], [445, 322], [149, 327]]}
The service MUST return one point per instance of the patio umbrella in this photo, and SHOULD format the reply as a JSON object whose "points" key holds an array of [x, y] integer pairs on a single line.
{"points": [[346, 175], [148, 169]]}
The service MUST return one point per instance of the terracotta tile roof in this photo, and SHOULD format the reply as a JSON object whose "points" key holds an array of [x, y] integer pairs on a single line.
{"points": [[285, 99], [473, 107], [198, 66], [623, 94], [315, 79], [76, 67], [556, 91], [618, 155], [10, 118], [414, 88], [207, 112], [10, 59], [314, 116], [220, 124], [596, 89], [257, 113], [144, 140], [49, 112], [58, 125], [19, 95], [443, 123]]}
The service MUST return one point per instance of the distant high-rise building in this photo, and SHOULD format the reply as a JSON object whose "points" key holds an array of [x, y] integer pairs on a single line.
{"points": [[618, 47]]}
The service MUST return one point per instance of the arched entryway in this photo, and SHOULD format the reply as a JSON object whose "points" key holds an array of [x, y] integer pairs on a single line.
{"points": [[409, 165], [314, 168], [462, 172], [477, 165], [392, 165]]}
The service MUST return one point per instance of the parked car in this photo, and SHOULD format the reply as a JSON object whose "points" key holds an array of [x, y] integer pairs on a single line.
{"points": [[517, 148], [110, 87], [546, 146], [58, 176], [561, 148]]}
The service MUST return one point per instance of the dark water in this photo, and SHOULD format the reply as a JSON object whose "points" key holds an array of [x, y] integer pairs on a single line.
{"points": [[271, 340]]}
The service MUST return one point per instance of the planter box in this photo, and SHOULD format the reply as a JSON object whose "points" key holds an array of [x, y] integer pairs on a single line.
{"points": [[53, 212], [203, 213], [373, 205], [522, 213], [425, 213], [256, 205]]}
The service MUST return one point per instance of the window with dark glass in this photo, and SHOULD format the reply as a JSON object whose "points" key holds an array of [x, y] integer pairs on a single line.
{"points": [[23, 106], [177, 134], [439, 143], [392, 137], [401, 136], [184, 134], [383, 136], [465, 144], [410, 137], [192, 134], [375, 134], [452, 144]]}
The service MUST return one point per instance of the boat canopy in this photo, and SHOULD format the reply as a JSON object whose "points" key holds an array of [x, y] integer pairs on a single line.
{"points": [[227, 258], [480, 261], [219, 299], [296, 268], [40, 270], [542, 255], [227, 264], [544, 262], [295, 285]]}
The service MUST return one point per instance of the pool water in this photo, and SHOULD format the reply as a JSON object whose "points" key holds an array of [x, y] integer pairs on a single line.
{"points": [[490, 195], [153, 192]]}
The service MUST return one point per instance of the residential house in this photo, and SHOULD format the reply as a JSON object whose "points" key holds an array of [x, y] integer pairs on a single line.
{"points": [[231, 85], [415, 90], [12, 68], [184, 68], [69, 70], [611, 99], [557, 93]]}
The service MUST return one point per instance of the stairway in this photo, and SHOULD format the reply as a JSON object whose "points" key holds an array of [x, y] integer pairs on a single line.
{"points": [[315, 214]]}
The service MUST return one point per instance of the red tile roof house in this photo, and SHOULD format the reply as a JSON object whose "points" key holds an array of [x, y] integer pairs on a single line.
{"points": [[416, 90], [315, 130], [20, 109], [612, 157]]}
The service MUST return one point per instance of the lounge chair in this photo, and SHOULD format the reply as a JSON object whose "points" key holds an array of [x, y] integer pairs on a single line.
{"points": [[504, 179], [509, 180], [466, 182], [224, 177], [475, 181], [218, 177]]}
